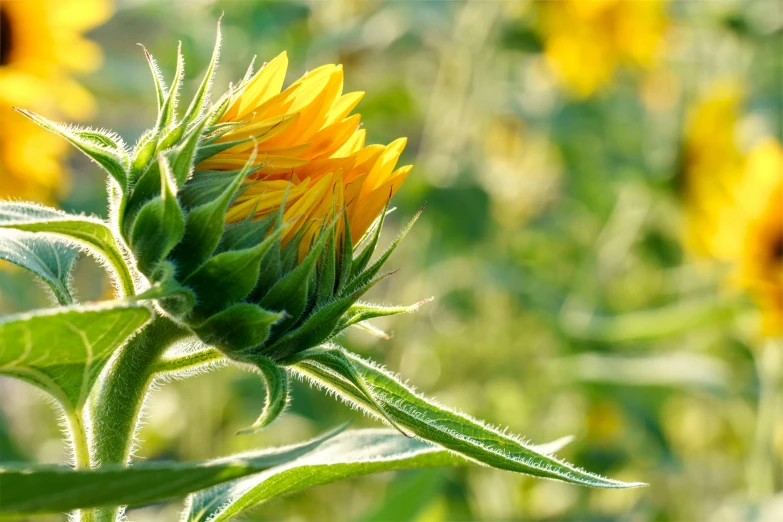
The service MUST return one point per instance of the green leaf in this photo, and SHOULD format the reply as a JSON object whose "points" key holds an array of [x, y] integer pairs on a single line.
{"points": [[50, 489], [45, 256], [277, 393], [63, 350], [351, 454], [92, 233], [334, 359], [450, 429], [107, 151], [160, 224]]}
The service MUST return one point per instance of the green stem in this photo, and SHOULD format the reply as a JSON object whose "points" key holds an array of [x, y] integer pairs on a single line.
{"points": [[81, 448], [189, 361], [81, 455], [115, 413]]}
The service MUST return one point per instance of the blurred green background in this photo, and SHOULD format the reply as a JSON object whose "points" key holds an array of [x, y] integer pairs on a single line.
{"points": [[557, 146]]}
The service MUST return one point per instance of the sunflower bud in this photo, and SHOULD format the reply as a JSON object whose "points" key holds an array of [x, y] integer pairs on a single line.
{"points": [[255, 205]]}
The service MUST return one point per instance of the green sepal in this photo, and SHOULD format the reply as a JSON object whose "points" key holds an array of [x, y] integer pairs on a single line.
{"points": [[108, 152], [183, 156], [360, 312], [160, 224], [219, 109], [237, 328], [176, 299], [289, 255], [204, 225], [245, 234], [363, 259], [201, 97], [327, 272], [334, 359], [228, 277], [167, 113], [289, 294], [146, 188], [142, 153], [367, 275], [207, 185], [319, 327], [157, 78], [206, 151], [170, 136], [346, 255], [271, 274], [277, 392]]}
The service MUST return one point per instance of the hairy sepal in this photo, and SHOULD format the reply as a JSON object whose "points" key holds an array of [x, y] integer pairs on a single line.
{"points": [[277, 392], [228, 277], [238, 328], [204, 225], [160, 224], [317, 328], [290, 293], [103, 148]]}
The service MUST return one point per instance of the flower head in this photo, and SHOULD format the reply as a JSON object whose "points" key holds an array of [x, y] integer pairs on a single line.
{"points": [[309, 153], [734, 201], [586, 41], [41, 47]]}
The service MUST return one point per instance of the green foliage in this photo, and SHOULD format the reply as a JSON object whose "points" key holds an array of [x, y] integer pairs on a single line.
{"points": [[350, 454], [440, 425], [46, 489], [91, 233], [47, 257], [62, 351]]}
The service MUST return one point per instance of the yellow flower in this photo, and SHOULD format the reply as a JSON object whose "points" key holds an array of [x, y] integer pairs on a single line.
{"points": [[310, 153], [734, 202], [585, 41], [761, 263], [41, 47]]}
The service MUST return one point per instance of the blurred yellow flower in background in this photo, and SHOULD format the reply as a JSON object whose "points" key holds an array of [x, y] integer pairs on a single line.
{"points": [[310, 150], [585, 41], [41, 47], [734, 201]]}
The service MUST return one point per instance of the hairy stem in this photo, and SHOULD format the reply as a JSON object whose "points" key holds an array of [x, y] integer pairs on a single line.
{"points": [[81, 455], [121, 393], [189, 361]]}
